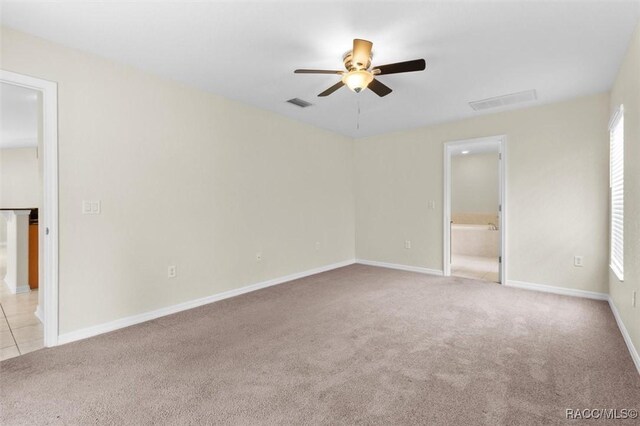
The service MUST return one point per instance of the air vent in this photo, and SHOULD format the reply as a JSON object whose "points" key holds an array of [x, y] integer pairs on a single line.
{"points": [[500, 101], [299, 102]]}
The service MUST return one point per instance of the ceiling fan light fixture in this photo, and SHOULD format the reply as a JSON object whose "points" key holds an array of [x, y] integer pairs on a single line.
{"points": [[357, 80], [359, 74]]}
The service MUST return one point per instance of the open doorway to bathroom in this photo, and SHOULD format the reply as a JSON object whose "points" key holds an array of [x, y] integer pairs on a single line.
{"points": [[474, 209], [28, 214]]}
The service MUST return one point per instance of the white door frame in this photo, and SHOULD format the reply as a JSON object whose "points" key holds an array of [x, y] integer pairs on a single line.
{"points": [[49, 218], [471, 143]]}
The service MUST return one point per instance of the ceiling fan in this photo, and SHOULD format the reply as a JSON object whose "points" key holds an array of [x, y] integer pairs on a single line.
{"points": [[360, 75]]}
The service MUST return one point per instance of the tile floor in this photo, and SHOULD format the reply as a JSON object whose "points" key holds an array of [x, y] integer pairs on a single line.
{"points": [[480, 268], [20, 329]]}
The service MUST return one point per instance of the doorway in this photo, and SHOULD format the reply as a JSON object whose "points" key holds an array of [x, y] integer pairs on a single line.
{"points": [[29, 224], [474, 213]]}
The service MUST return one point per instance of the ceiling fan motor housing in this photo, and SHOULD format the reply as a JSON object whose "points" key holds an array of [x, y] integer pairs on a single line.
{"points": [[350, 66]]}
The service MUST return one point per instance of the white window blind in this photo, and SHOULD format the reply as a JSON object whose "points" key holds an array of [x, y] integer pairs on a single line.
{"points": [[616, 183]]}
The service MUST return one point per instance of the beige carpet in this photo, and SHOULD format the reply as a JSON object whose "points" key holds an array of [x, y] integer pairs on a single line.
{"points": [[358, 345]]}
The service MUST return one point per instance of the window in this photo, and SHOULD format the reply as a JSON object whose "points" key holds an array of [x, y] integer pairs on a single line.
{"points": [[616, 183]]}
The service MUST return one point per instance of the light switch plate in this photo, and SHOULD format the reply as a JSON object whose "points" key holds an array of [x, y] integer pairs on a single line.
{"points": [[91, 207], [578, 261]]}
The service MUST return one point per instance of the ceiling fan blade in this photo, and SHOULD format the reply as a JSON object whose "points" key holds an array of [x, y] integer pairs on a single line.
{"points": [[398, 67], [317, 72], [379, 88], [332, 89], [361, 53]]}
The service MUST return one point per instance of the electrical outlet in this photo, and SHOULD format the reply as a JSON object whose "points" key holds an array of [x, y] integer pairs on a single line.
{"points": [[258, 257], [317, 245], [172, 271], [432, 205], [407, 244], [578, 261]]}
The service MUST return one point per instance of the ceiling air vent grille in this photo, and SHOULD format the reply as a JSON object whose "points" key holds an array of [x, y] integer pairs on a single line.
{"points": [[500, 101], [299, 102]]}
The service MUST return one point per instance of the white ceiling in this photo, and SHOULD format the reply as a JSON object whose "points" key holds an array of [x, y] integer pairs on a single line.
{"points": [[248, 51], [18, 117]]}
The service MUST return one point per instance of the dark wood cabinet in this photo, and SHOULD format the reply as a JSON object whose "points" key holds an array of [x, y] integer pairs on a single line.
{"points": [[33, 256]]}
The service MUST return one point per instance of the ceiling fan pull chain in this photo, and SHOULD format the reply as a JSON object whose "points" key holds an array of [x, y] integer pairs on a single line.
{"points": [[358, 116]]}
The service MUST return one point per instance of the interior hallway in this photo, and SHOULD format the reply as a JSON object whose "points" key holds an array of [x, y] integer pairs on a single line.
{"points": [[20, 330]]}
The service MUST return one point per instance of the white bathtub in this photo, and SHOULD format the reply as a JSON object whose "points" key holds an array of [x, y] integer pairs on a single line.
{"points": [[474, 240]]}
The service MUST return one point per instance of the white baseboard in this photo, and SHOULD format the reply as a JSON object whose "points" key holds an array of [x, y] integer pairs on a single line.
{"points": [[23, 289], [147, 316], [625, 335], [419, 269], [18, 289], [557, 290], [39, 313]]}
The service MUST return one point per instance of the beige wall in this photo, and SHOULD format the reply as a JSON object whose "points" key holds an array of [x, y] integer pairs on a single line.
{"points": [[626, 91], [3, 231], [19, 178], [475, 183], [186, 178], [19, 181], [557, 189]]}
